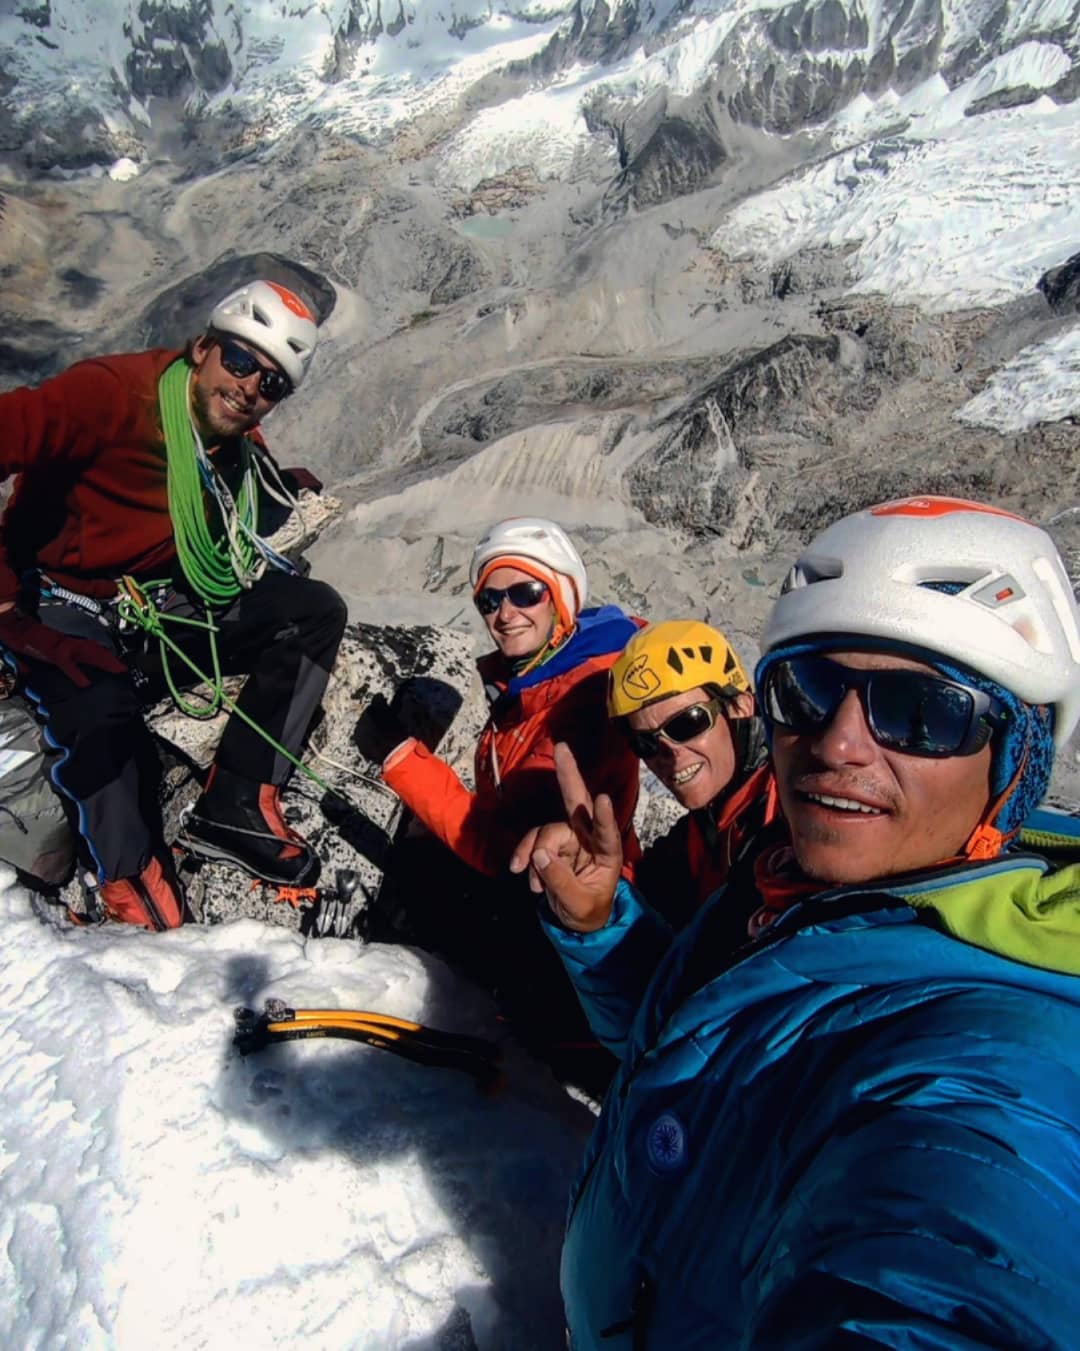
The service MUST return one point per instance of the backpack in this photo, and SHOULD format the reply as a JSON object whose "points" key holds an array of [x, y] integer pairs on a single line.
{"points": [[35, 836]]}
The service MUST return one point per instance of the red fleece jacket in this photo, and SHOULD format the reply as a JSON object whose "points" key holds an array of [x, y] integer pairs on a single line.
{"points": [[91, 502]]}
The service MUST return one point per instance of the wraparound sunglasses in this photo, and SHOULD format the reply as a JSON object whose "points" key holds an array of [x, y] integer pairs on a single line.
{"points": [[692, 721], [907, 711], [521, 595], [238, 361]]}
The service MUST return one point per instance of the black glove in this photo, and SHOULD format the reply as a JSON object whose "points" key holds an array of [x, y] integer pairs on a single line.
{"points": [[26, 637], [303, 478], [379, 730]]}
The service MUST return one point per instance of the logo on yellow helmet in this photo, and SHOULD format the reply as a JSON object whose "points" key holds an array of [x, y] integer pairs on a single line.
{"points": [[670, 658], [639, 681]]}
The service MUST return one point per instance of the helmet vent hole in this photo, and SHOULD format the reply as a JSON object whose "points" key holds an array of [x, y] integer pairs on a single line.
{"points": [[947, 588]]}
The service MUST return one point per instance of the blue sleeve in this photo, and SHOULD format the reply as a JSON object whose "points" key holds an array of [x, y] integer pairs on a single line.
{"points": [[939, 1213], [611, 967]]}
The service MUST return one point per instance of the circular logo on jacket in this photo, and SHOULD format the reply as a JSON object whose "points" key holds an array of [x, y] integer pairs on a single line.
{"points": [[665, 1144]]}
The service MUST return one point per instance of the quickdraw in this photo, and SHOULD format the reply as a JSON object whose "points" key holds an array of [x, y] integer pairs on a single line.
{"points": [[412, 1041]]}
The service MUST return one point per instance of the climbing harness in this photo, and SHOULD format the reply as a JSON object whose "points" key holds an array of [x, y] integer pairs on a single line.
{"points": [[216, 569], [413, 1041]]}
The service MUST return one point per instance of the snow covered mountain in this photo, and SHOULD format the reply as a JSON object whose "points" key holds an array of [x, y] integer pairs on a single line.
{"points": [[82, 82]]}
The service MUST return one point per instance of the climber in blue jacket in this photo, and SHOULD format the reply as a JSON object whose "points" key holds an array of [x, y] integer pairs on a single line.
{"points": [[858, 1124]]}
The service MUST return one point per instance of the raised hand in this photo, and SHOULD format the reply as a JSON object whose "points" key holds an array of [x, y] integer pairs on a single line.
{"points": [[577, 861]]}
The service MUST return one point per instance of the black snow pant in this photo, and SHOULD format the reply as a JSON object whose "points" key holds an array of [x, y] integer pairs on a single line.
{"points": [[488, 927], [283, 634]]}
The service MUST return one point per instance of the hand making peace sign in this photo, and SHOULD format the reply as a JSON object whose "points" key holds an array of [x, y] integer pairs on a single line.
{"points": [[577, 861]]}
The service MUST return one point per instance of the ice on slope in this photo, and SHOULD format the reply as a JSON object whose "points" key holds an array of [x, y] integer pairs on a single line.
{"points": [[1040, 384], [545, 128], [280, 55], [970, 218]]}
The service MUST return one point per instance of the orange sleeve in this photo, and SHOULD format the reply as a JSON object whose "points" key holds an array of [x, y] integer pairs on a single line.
{"points": [[437, 797]]}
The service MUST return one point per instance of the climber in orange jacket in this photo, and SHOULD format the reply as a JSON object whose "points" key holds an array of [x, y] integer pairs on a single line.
{"points": [[546, 681]]}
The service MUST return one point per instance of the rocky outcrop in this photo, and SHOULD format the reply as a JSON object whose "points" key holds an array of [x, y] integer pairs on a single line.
{"points": [[817, 27], [694, 476], [30, 347], [350, 818], [175, 50], [678, 158], [797, 66], [482, 412], [1061, 286], [465, 275], [502, 192]]}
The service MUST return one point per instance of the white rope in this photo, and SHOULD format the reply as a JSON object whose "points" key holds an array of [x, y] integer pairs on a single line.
{"points": [[255, 467], [355, 773]]}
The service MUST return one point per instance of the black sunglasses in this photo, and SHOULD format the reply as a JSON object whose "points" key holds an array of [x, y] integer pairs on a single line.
{"points": [[692, 721], [522, 596], [907, 711], [273, 384]]}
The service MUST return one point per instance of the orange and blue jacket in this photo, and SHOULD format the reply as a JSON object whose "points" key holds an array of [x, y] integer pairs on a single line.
{"points": [[564, 699]]}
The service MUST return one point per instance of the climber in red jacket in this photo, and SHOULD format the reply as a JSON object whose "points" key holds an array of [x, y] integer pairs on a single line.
{"points": [[144, 477], [546, 681]]}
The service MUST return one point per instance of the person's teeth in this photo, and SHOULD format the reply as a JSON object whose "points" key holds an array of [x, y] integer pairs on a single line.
{"points": [[684, 775], [844, 804]]}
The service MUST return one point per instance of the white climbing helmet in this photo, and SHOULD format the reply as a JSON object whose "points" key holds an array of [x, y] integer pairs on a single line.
{"points": [[533, 539], [967, 581], [273, 319]]}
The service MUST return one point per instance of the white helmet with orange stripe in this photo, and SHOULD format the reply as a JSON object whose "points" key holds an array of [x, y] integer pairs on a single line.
{"points": [[541, 548], [970, 582], [273, 319]]}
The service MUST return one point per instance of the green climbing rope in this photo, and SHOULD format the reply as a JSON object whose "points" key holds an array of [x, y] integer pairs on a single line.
{"points": [[213, 567], [208, 563], [136, 609]]}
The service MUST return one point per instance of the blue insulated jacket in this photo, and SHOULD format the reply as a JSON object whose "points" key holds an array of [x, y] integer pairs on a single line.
{"points": [[859, 1131]]}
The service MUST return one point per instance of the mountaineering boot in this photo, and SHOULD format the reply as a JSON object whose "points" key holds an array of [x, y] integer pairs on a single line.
{"points": [[153, 898], [237, 820]]}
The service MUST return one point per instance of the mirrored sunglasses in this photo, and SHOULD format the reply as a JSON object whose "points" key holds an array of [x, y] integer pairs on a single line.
{"points": [[238, 361], [690, 722], [909, 711], [522, 596]]}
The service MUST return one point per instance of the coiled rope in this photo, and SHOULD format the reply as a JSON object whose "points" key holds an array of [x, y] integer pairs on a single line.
{"points": [[216, 569]]}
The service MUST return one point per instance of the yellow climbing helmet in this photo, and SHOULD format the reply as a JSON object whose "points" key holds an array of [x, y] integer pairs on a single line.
{"points": [[671, 658]]}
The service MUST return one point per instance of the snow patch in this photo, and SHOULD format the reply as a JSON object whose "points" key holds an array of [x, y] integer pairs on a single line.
{"points": [[123, 170], [968, 218], [1040, 384], [156, 1190]]}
